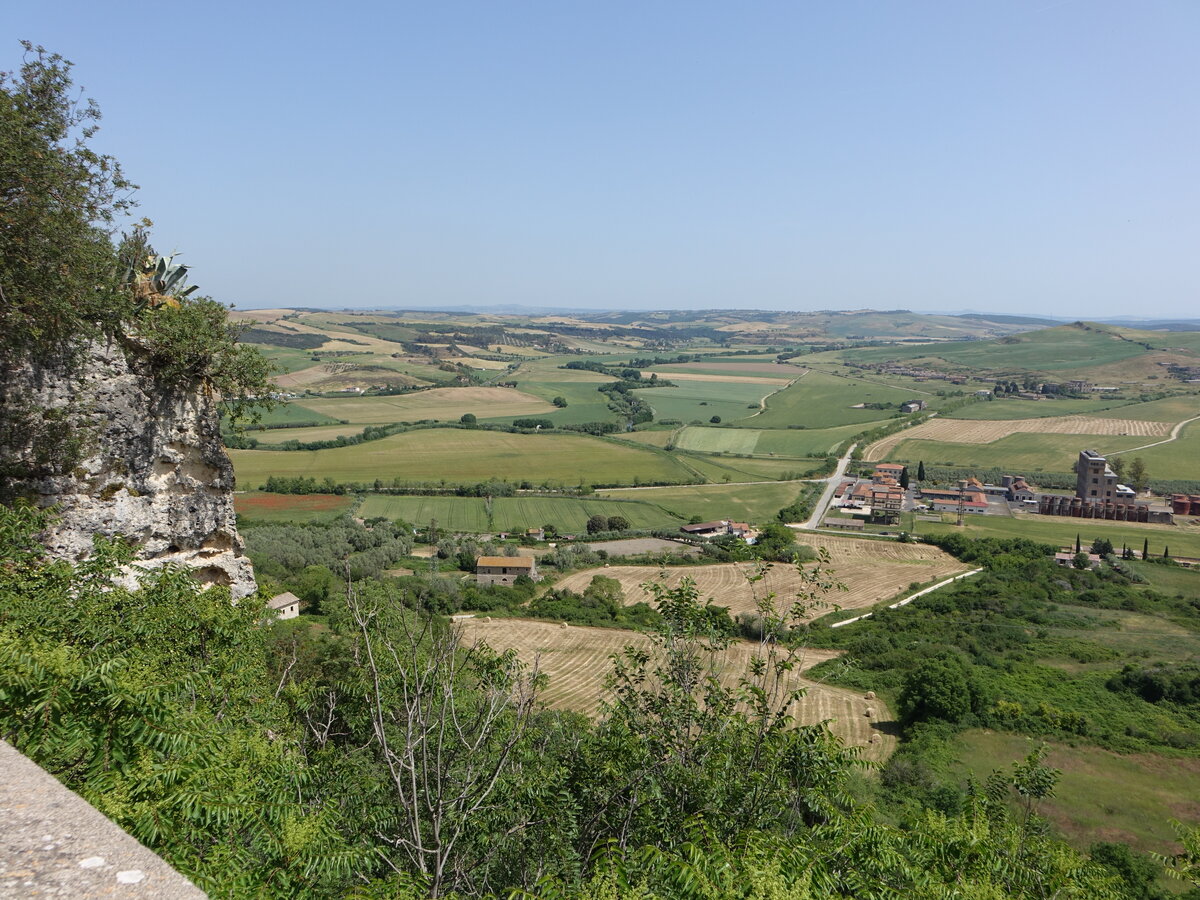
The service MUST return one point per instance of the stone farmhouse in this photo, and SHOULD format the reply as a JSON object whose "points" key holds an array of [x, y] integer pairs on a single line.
{"points": [[504, 569]]}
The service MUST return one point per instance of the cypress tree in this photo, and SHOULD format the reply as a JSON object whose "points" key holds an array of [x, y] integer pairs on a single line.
{"points": [[1077, 546], [1146, 548], [921, 470]]}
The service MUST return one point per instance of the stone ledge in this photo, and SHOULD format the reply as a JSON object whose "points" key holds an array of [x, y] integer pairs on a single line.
{"points": [[53, 843]]}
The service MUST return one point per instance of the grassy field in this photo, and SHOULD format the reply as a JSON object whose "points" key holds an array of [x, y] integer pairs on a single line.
{"points": [[1061, 531], [461, 456], [794, 442], [263, 507], [567, 514], [1101, 796], [578, 659], [1029, 409], [871, 570], [712, 502], [1016, 453], [691, 401], [1169, 409], [292, 413], [443, 404], [719, 469], [820, 400], [1177, 459], [1048, 350]]}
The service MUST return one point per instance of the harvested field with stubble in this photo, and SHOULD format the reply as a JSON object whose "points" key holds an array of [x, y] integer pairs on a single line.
{"points": [[979, 431], [871, 570], [577, 661]]}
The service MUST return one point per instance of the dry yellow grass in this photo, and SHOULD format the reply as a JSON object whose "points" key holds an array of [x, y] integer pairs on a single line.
{"points": [[965, 431], [871, 570], [577, 660]]}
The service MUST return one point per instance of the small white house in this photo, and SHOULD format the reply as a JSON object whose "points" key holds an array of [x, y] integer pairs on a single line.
{"points": [[286, 605]]}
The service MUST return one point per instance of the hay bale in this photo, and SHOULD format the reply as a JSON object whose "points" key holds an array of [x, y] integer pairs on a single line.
{"points": [[486, 619], [870, 713], [564, 625], [870, 695], [874, 739]]}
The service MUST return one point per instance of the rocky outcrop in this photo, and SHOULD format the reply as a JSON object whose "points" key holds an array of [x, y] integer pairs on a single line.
{"points": [[151, 465]]}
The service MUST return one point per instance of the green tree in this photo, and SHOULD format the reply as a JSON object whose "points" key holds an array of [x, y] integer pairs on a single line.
{"points": [[904, 482], [935, 689], [1139, 479], [467, 419], [560, 402], [1102, 546], [716, 420], [617, 523], [597, 523], [1081, 560], [921, 470]]}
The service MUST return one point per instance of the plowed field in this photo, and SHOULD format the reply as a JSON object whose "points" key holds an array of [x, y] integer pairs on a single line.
{"points": [[577, 661], [871, 570], [963, 431]]}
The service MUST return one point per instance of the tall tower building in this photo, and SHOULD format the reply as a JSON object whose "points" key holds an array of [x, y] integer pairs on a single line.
{"points": [[1094, 480]]}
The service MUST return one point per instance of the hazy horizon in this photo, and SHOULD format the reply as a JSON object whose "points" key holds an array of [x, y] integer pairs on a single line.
{"points": [[1001, 157]]}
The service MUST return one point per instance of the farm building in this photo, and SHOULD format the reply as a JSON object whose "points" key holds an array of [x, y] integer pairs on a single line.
{"points": [[286, 605], [504, 569], [713, 529], [912, 406], [1066, 559], [845, 524]]}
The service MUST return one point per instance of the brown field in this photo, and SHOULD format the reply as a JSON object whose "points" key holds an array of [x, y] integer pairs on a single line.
{"points": [[577, 661], [258, 315], [965, 431], [871, 570], [439, 403]]}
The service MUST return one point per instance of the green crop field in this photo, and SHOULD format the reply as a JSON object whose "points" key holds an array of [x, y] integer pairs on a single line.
{"points": [[1101, 796], [738, 468], [1065, 347], [1016, 452], [1061, 531], [567, 514], [1042, 409], [584, 402], [718, 440], [1175, 459], [820, 400], [445, 404], [691, 401], [289, 413], [464, 456], [756, 503], [1169, 409]]}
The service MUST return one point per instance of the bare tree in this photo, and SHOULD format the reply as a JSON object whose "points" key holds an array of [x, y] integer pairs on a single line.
{"points": [[447, 716]]}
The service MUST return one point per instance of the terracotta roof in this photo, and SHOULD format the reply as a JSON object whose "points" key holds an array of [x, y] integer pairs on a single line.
{"points": [[511, 562]]}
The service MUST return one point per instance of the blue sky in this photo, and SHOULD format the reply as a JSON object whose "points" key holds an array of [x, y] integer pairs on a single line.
{"points": [[1017, 156]]}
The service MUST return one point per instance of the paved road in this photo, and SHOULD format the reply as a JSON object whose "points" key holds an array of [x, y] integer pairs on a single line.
{"points": [[827, 495], [907, 600]]}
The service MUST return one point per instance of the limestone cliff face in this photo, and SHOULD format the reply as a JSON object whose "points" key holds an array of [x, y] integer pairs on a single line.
{"points": [[153, 467]]}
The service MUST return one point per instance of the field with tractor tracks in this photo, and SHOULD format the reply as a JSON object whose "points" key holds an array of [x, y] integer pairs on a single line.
{"points": [[959, 431], [871, 571], [578, 660]]}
